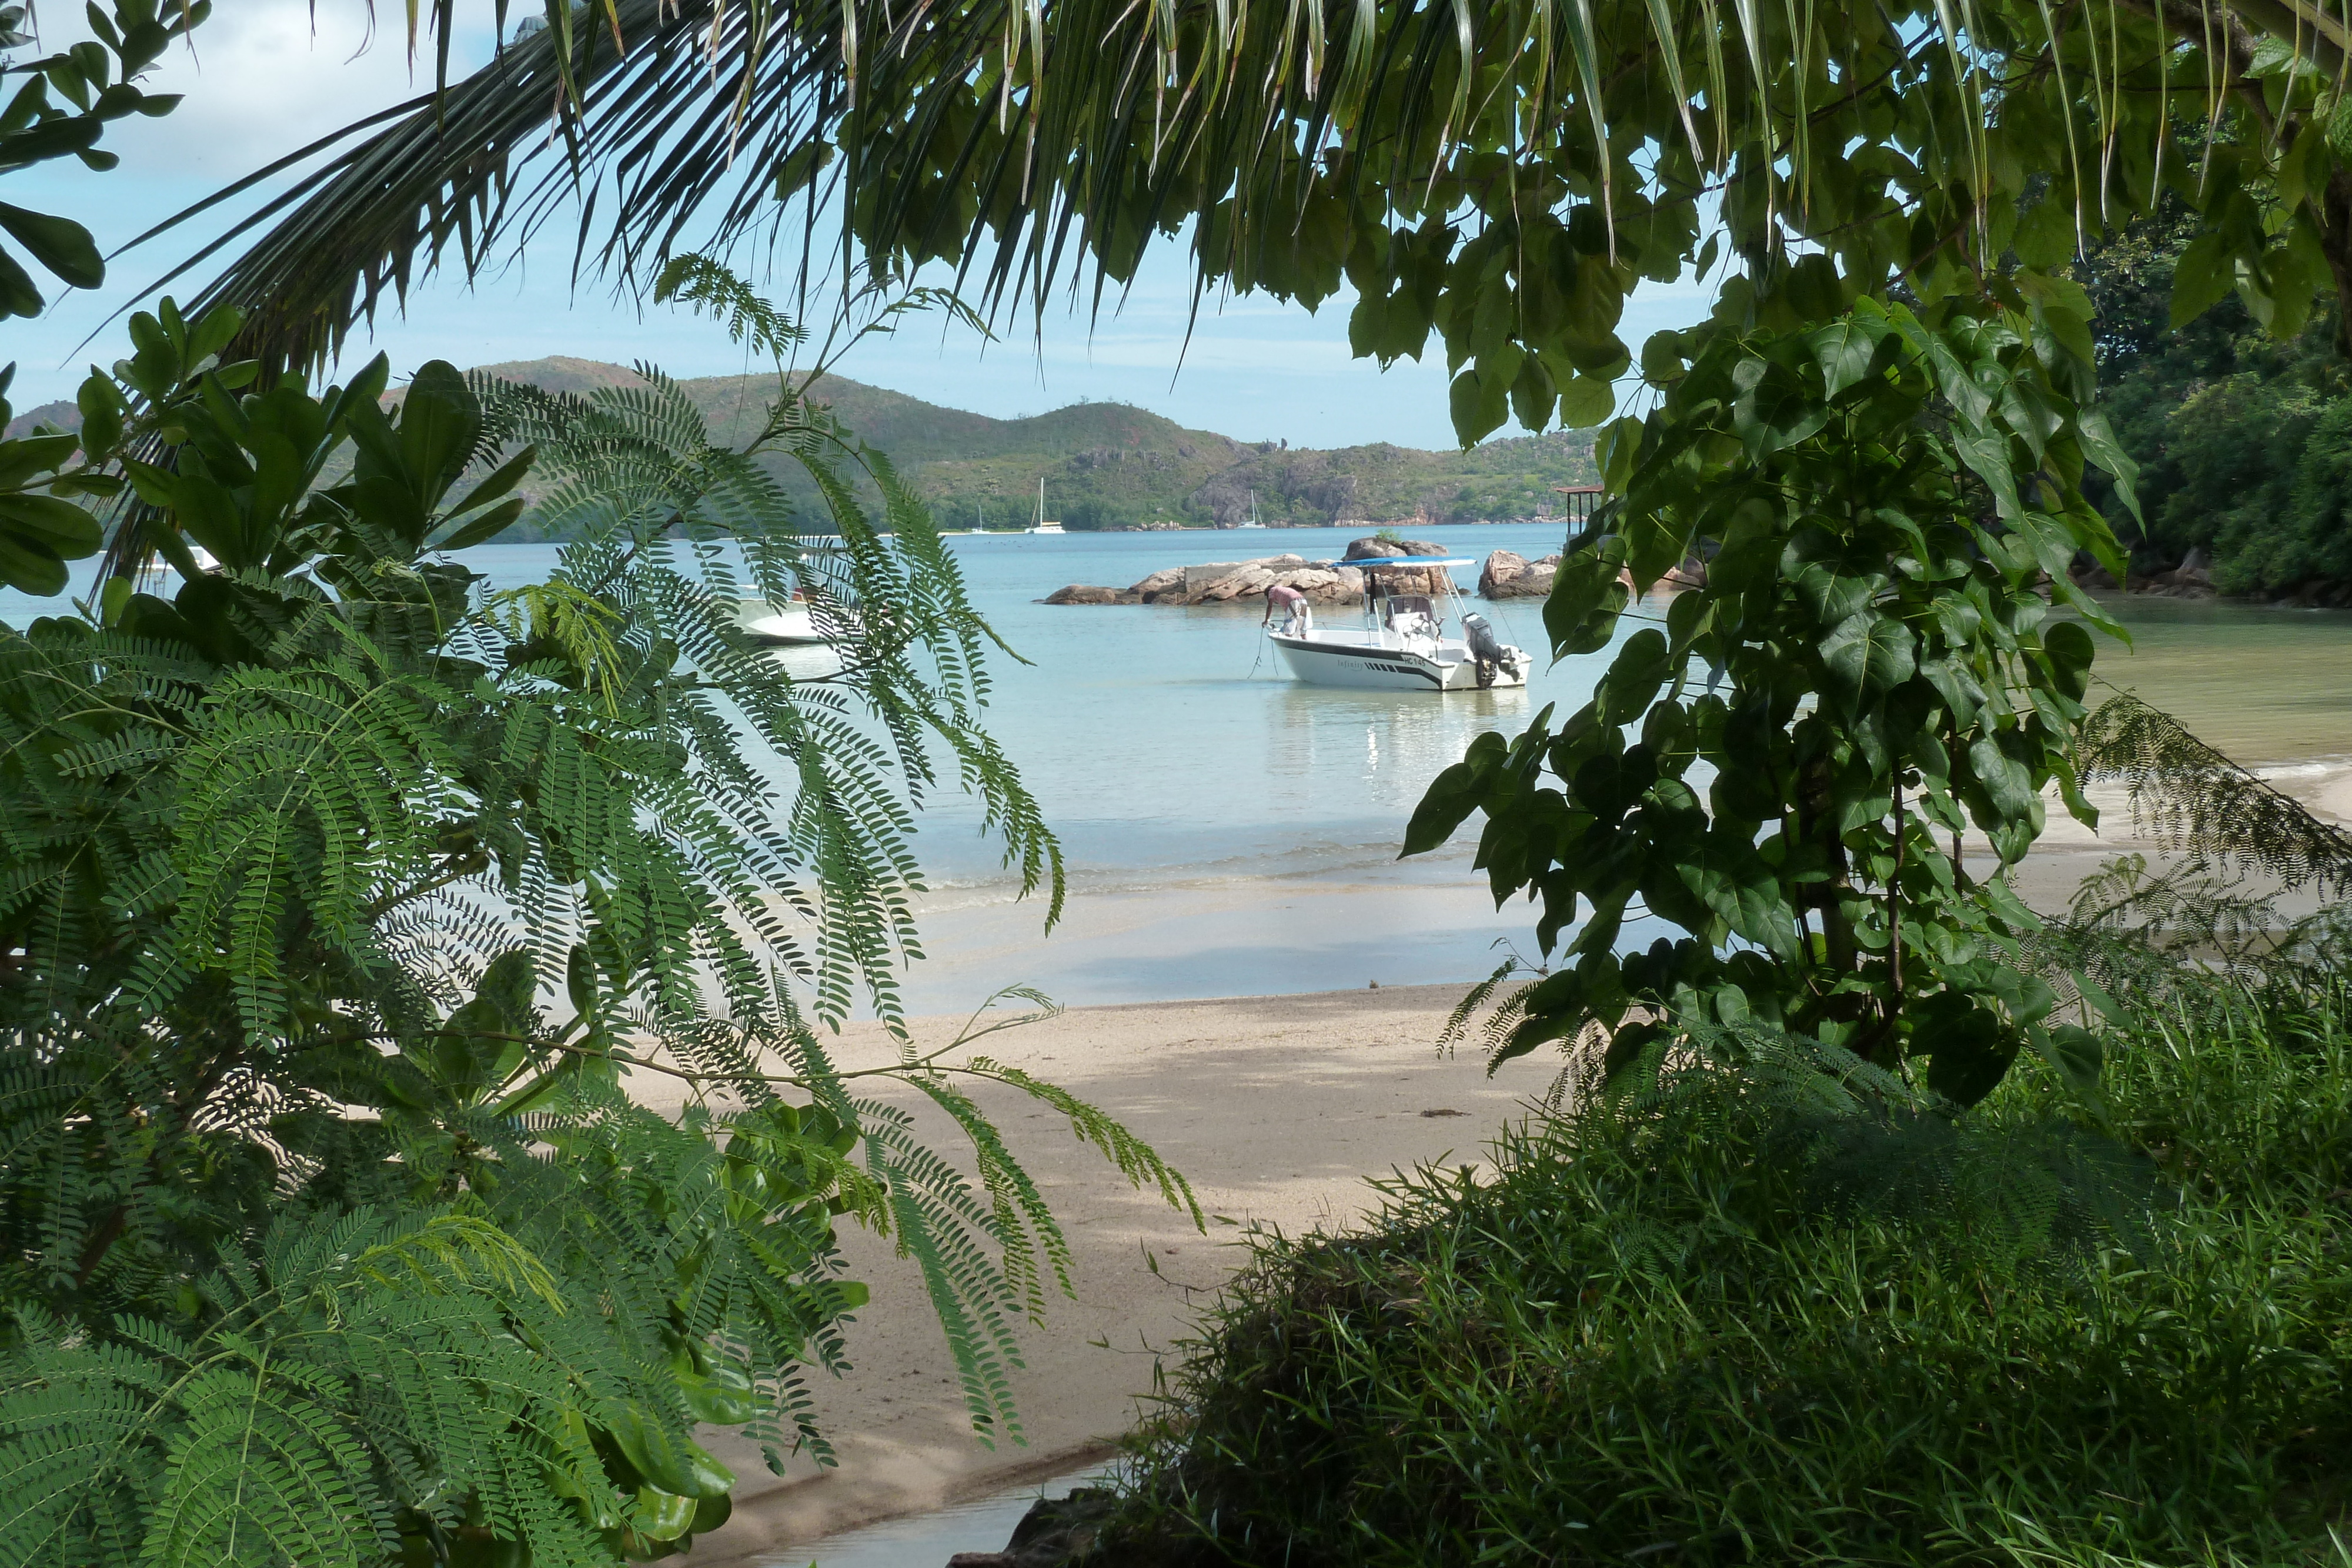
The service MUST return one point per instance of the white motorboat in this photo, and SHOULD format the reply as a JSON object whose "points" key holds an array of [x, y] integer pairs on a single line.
{"points": [[786, 625], [162, 569], [1402, 646]]}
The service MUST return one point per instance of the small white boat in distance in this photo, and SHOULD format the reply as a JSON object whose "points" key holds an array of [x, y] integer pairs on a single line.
{"points": [[775, 625], [1402, 646], [1045, 525]]}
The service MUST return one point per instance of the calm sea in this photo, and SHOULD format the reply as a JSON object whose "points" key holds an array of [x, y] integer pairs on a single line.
{"points": [[1231, 832]]}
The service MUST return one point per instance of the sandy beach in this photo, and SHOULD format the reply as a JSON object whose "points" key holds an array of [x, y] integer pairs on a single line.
{"points": [[1276, 1108]]}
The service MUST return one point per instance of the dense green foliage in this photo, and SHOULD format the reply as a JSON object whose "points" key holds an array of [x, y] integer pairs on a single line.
{"points": [[352, 907], [42, 527], [95, 82], [1750, 1316], [2244, 443], [1494, 179], [1871, 660]]}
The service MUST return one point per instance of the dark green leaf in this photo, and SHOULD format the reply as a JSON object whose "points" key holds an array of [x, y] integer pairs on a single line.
{"points": [[1844, 349], [1865, 655], [60, 245], [1969, 1047]]}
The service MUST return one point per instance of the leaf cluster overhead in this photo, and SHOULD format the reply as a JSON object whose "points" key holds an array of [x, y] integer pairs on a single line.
{"points": [[1495, 179]]}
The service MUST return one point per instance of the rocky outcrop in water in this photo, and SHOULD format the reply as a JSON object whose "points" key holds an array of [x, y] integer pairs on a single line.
{"points": [[1056, 1532], [1224, 582], [1510, 575], [1377, 548], [2192, 578]]}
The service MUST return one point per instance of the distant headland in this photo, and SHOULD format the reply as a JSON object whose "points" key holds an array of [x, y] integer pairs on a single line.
{"points": [[1111, 465]]}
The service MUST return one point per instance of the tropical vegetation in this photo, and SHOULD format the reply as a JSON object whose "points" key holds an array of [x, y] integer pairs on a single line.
{"points": [[1879, 440], [2241, 438], [360, 909], [1795, 1316], [248, 810], [42, 523]]}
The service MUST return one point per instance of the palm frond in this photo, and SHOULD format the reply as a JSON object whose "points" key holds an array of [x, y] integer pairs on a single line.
{"points": [[1012, 139]]}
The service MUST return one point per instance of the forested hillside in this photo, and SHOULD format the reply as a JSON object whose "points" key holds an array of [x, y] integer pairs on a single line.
{"points": [[1110, 465], [2244, 442]]}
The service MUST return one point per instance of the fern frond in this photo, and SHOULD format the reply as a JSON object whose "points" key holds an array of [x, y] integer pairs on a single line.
{"points": [[2194, 798]]}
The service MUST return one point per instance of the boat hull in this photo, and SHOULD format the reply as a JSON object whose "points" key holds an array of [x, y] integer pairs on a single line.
{"points": [[1353, 660], [780, 626]]}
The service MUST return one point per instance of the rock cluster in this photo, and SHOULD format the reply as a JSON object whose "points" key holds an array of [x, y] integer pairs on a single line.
{"points": [[2192, 578], [1510, 575], [1219, 581], [1054, 1532], [1506, 575], [1377, 548]]}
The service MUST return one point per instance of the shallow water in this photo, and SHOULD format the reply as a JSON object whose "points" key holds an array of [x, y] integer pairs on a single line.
{"points": [[2266, 683], [1231, 832], [929, 1539]]}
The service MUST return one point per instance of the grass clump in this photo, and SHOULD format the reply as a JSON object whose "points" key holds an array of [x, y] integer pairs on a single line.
{"points": [[1730, 1321]]}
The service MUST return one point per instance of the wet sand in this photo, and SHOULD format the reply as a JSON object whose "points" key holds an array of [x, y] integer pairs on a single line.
{"points": [[1277, 1107]]}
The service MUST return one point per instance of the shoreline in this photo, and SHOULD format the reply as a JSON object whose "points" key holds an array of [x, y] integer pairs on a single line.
{"points": [[1274, 1108], [1212, 931], [1277, 1105]]}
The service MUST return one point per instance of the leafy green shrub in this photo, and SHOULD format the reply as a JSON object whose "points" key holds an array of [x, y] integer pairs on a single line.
{"points": [[2239, 436], [1779, 764], [341, 892], [1732, 1319]]}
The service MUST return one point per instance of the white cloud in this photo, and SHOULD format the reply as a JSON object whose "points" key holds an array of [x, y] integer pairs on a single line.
{"points": [[263, 77]]}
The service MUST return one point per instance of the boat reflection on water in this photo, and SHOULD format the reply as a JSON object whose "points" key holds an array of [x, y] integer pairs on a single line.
{"points": [[1321, 734], [786, 625], [807, 661]]}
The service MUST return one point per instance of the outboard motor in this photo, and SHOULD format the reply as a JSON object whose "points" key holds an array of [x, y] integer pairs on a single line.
{"points": [[1487, 650]]}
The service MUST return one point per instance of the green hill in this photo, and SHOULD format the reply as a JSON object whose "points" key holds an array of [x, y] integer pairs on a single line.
{"points": [[1111, 465]]}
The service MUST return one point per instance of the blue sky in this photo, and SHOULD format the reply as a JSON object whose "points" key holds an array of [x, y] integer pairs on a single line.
{"points": [[265, 80]]}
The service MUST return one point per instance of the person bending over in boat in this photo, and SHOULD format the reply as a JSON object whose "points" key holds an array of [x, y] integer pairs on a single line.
{"points": [[1292, 604]]}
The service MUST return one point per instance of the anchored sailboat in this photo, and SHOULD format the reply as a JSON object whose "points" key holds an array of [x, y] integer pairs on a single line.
{"points": [[1043, 526]]}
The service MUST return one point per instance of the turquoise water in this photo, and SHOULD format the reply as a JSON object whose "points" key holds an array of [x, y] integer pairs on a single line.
{"points": [[1232, 833], [1167, 740]]}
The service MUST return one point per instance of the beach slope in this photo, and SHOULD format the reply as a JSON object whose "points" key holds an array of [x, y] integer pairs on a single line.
{"points": [[1276, 1108]]}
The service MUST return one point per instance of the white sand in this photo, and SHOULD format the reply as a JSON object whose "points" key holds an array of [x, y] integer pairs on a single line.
{"points": [[1276, 1108]]}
